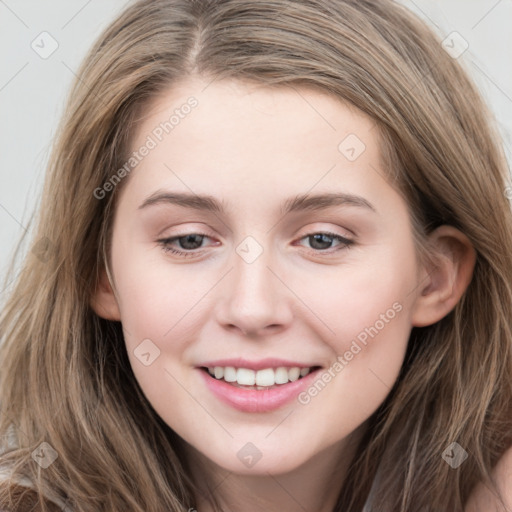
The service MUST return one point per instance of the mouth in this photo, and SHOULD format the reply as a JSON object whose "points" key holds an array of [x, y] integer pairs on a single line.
{"points": [[264, 379]]}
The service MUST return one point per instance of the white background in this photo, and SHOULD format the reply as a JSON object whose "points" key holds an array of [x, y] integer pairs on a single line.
{"points": [[33, 89]]}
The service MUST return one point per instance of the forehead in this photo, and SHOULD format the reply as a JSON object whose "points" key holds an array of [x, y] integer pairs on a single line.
{"points": [[234, 135], [253, 105]]}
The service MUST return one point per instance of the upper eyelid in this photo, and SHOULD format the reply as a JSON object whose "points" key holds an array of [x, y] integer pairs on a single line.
{"points": [[308, 233], [205, 231], [327, 232], [341, 238]]}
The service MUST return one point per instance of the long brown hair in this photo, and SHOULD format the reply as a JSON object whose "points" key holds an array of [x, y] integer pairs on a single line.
{"points": [[66, 379]]}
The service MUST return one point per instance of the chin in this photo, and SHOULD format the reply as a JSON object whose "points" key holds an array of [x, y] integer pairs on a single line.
{"points": [[250, 460]]}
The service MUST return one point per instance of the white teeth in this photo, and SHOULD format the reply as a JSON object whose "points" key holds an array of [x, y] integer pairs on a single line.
{"points": [[304, 372], [281, 375], [265, 377], [230, 374], [260, 379], [294, 373], [245, 376]]}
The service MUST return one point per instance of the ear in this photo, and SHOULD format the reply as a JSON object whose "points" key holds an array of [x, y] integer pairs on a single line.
{"points": [[444, 284], [103, 299]]}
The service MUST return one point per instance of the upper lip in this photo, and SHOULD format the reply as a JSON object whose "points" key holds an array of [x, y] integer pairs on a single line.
{"points": [[261, 364]]}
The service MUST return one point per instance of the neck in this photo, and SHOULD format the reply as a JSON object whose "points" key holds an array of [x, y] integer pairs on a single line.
{"points": [[314, 485]]}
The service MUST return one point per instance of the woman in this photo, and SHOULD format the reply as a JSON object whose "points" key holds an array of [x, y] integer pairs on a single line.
{"points": [[264, 369]]}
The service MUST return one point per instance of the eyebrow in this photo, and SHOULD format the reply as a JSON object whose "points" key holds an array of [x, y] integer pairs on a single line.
{"points": [[302, 202]]}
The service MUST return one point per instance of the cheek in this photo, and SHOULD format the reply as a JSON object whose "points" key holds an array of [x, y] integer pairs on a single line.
{"points": [[369, 313], [161, 312], [157, 313], [361, 300], [154, 295]]}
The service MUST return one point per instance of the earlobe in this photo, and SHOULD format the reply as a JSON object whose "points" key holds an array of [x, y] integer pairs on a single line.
{"points": [[103, 299], [445, 283]]}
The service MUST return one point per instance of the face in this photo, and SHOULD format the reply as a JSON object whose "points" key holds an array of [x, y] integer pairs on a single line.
{"points": [[263, 273]]}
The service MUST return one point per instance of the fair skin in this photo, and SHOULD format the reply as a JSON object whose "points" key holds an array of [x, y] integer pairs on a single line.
{"points": [[252, 148], [483, 499]]}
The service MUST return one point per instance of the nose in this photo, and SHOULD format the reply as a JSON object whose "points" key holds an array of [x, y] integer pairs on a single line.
{"points": [[255, 299]]}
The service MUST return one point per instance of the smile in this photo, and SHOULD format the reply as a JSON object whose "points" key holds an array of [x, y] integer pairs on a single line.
{"points": [[257, 391], [266, 378]]}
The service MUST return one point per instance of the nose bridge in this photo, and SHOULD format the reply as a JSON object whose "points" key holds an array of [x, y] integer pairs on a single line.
{"points": [[255, 299]]}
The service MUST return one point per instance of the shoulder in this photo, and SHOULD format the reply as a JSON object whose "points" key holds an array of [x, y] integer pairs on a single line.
{"points": [[19, 498], [483, 500], [18, 494]]}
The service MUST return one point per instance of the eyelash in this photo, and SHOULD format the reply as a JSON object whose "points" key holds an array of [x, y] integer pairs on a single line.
{"points": [[165, 243]]}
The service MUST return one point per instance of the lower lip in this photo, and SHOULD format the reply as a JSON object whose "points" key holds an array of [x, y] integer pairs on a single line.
{"points": [[251, 400]]}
